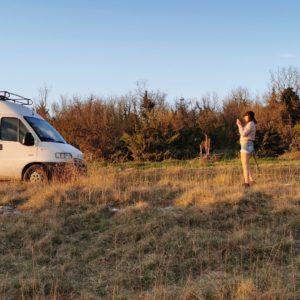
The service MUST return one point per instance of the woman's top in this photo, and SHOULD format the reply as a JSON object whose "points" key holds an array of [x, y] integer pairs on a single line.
{"points": [[247, 133]]}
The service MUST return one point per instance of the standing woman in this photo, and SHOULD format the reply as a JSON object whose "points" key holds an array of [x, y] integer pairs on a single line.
{"points": [[247, 137]]}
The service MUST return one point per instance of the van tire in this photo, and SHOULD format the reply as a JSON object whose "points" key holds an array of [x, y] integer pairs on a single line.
{"points": [[36, 174]]}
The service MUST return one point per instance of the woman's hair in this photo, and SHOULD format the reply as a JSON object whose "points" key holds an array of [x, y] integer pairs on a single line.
{"points": [[251, 116]]}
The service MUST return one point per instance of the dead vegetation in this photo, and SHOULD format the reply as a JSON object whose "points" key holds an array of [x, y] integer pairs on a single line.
{"points": [[174, 233]]}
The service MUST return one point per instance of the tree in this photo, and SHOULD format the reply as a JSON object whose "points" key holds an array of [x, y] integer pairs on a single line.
{"points": [[147, 105], [295, 145], [42, 105], [234, 107], [284, 78], [209, 118], [188, 134], [147, 141], [290, 106], [269, 142], [162, 133]]}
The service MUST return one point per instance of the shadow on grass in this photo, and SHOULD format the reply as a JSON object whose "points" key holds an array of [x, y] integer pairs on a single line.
{"points": [[96, 253]]}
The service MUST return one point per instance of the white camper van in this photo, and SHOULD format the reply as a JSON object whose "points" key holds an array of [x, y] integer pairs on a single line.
{"points": [[30, 148]]}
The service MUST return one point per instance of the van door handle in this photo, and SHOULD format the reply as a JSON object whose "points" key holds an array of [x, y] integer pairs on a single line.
{"points": [[1, 147]]}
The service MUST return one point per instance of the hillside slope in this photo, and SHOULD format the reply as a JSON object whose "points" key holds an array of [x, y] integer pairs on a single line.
{"points": [[174, 233]]}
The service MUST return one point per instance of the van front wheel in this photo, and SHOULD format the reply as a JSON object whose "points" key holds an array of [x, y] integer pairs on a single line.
{"points": [[36, 174]]}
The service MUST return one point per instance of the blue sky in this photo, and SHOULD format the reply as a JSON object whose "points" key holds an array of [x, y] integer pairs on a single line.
{"points": [[184, 48]]}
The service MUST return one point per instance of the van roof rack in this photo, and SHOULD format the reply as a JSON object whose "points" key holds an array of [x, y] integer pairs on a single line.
{"points": [[7, 96]]}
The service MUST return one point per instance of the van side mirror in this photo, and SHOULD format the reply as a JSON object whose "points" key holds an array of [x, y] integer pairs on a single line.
{"points": [[28, 139]]}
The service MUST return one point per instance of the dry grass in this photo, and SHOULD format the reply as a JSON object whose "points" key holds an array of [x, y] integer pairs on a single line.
{"points": [[295, 155], [174, 233]]}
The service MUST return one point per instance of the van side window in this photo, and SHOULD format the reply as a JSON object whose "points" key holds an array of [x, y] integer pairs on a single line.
{"points": [[12, 129], [9, 129]]}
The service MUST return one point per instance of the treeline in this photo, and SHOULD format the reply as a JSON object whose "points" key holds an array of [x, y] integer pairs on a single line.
{"points": [[142, 125]]}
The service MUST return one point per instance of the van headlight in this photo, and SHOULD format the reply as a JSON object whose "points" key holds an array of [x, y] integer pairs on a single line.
{"points": [[63, 155]]}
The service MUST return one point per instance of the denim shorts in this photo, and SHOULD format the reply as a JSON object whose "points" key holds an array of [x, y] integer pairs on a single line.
{"points": [[247, 147]]}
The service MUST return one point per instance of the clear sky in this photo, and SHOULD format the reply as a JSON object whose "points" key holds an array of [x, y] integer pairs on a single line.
{"points": [[184, 48]]}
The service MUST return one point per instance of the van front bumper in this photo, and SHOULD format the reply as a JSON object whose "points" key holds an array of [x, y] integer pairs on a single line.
{"points": [[63, 169]]}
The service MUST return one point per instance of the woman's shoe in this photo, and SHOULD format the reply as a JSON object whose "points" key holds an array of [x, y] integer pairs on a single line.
{"points": [[246, 185], [253, 182]]}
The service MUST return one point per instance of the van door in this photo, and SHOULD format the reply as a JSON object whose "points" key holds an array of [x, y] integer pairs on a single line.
{"points": [[13, 154]]}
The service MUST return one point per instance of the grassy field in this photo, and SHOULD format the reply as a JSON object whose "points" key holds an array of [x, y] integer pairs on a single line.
{"points": [[162, 231]]}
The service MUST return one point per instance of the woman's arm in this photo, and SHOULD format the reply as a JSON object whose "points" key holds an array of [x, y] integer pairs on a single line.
{"points": [[240, 127], [245, 131]]}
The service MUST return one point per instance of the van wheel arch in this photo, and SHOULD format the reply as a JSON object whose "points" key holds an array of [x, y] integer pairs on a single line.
{"points": [[35, 165]]}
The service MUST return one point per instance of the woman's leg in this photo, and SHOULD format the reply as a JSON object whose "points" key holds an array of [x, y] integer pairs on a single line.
{"points": [[249, 169], [245, 164]]}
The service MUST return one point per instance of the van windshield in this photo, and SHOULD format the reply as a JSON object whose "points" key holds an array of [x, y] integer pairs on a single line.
{"points": [[44, 130]]}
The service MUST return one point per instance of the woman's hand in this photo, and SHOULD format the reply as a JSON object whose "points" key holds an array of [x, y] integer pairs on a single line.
{"points": [[238, 122]]}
